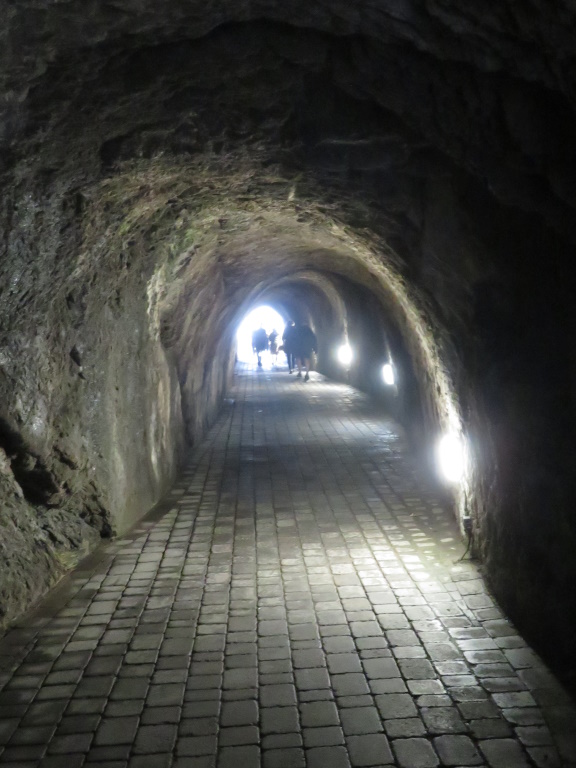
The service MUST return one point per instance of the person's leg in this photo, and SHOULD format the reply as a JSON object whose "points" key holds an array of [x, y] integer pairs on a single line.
{"points": [[299, 364], [307, 366]]}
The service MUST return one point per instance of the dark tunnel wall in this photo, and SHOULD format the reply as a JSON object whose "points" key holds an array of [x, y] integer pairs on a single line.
{"points": [[164, 166]]}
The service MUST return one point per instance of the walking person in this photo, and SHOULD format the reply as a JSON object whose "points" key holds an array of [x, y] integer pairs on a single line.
{"points": [[259, 343], [288, 343], [273, 344], [305, 344]]}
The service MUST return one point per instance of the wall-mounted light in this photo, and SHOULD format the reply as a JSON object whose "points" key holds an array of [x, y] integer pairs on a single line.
{"points": [[451, 454], [388, 374], [345, 354]]}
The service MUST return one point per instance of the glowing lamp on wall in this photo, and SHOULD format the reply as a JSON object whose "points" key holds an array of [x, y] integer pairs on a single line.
{"points": [[344, 354], [451, 455], [388, 374]]}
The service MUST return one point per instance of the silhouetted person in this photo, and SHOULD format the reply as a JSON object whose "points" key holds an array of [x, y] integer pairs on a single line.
{"points": [[273, 342], [304, 345], [288, 342], [259, 343]]}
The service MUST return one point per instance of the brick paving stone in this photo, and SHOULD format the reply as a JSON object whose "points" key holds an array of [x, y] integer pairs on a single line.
{"points": [[345, 702], [547, 757], [416, 669], [152, 739], [7, 728], [232, 757], [278, 719], [344, 662], [239, 713], [349, 684], [443, 720], [403, 728], [307, 659], [388, 685], [433, 700], [394, 705], [53, 761], [71, 743], [369, 749], [321, 757], [490, 729], [282, 678], [415, 753], [150, 761], [165, 695], [28, 736], [311, 679], [277, 695], [323, 737], [381, 668], [105, 754], [196, 746], [534, 735], [456, 750], [426, 687], [402, 637], [159, 715], [524, 716], [503, 753], [514, 699], [303, 582], [248, 734], [20, 755], [282, 741], [289, 757], [118, 730], [120, 708], [240, 678], [472, 705], [361, 721], [319, 714]]}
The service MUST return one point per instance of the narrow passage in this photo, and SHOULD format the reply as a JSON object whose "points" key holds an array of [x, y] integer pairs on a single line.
{"points": [[301, 602]]}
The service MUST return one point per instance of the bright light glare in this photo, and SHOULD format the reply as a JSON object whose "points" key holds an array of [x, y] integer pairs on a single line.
{"points": [[263, 316], [388, 374], [345, 354], [452, 457]]}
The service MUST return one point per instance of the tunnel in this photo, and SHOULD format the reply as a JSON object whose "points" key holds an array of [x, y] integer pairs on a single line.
{"points": [[398, 175]]}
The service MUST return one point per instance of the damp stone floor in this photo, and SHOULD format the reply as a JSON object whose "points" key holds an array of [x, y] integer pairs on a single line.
{"points": [[299, 601]]}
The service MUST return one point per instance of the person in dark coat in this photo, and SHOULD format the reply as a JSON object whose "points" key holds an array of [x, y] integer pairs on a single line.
{"points": [[288, 343], [304, 345], [259, 343], [273, 344]]}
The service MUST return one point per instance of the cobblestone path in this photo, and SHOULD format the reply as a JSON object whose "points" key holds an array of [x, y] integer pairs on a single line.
{"points": [[299, 603]]}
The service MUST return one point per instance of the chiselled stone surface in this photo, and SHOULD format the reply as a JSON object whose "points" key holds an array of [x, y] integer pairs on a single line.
{"points": [[195, 637]]}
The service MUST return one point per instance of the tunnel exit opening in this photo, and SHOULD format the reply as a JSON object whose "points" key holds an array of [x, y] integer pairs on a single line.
{"points": [[261, 317]]}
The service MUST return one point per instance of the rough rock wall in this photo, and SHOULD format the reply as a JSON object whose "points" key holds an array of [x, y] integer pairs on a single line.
{"points": [[90, 418], [37, 545]]}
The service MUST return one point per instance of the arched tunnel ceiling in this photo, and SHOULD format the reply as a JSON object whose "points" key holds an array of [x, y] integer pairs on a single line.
{"points": [[251, 116], [489, 90], [351, 112]]}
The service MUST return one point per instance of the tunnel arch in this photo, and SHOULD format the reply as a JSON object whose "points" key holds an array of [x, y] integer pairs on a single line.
{"points": [[150, 154], [267, 276]]}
